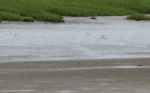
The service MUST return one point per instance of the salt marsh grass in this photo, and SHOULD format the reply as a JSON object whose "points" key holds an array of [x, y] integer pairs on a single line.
{"points": [[9, 16], [53, 10], [138, 17]]}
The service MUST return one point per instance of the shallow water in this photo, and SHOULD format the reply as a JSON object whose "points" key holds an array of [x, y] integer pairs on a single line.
{"points": [[77, 38]]}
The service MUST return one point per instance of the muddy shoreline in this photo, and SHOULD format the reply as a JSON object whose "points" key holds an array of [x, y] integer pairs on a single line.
{"points": [[84, 76]]}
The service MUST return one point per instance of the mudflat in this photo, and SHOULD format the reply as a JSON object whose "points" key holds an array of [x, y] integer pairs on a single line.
{"points": [[78, 38], [76, 76]]}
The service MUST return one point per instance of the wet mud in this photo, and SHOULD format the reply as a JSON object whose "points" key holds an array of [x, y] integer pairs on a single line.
{"points": [[80, 76]]}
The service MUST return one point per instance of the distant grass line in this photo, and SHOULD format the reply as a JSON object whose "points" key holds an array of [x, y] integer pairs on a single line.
{"points": [[53, 10]]}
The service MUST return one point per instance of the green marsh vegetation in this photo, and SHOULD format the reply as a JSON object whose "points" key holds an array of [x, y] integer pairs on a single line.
{"points": [[138, 17], [53, 10]]}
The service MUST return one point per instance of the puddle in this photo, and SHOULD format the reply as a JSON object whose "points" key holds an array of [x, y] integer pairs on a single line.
{"points": [[108, 67], [16, 91], [79, 77], [131, 67], [142, 91], [44, 81], [30, 85], [87, 88], [66, 91]]}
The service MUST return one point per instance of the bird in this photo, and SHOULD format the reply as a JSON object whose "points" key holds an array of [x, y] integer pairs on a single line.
{"points": [[93, 17], [103, 36]]}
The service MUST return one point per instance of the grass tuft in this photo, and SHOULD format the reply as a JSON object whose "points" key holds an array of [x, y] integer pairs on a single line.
{"points": [[138, 17], [48, 17], [9, 16]]}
